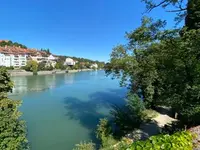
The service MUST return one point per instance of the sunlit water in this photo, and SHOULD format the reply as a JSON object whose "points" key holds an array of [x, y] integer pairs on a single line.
{"points": [[62, 110]]}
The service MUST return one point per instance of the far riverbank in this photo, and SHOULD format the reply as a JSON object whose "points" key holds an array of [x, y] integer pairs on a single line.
{"points": [[27, 73]]}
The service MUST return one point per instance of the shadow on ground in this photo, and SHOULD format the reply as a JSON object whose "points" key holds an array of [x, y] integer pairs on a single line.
{"points": [[87, 111]]}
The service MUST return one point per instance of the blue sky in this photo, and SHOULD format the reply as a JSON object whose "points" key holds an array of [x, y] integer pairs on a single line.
{"points": [[83, 28]]}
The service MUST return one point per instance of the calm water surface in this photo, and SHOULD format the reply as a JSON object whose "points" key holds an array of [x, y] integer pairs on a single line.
{"points": [[62, 110]]}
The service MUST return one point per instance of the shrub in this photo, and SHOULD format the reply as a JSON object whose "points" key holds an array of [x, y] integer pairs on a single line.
{"points": [[104, 134], [130, 117], [179, 140], [85, 146]]}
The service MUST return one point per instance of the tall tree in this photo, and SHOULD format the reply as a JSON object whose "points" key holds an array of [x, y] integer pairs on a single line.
{"points": [[161, 67], [12, 129], [188, 10]]}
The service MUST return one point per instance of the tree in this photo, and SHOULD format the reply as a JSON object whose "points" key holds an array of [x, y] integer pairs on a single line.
{"points": [[41, 66], [60, 65], [76, 66], [47, 51], [10, 43], [49, 67], [187, 10], [32, 66], [12, 129], [161, 67]]}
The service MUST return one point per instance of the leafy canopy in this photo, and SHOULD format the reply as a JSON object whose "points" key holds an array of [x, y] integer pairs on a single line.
{"points": [[12, 130]]}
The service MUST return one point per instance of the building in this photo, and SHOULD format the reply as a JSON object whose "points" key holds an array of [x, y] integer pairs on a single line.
{"points": [[9, 60], [94, 66], [51, 61], [69, 62], [51, 58], [38, 58]]}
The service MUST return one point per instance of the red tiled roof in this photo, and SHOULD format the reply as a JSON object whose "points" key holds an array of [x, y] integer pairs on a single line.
{"points": [[19, 50], [4, 41]]}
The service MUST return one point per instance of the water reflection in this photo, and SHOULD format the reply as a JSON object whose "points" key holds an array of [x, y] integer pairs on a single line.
{"points": [[43, 82], [40, 83]]}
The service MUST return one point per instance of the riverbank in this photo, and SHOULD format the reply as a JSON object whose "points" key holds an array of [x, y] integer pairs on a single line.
{"points": [[27, 73]]}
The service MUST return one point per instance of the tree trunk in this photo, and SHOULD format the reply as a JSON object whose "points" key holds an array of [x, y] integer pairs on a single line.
{"points": [[192, 20]]}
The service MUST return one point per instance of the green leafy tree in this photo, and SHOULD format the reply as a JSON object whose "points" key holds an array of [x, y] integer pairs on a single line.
{"points": [[57, 66], [49, 68], [47, 51], [187, 10], [60, 65], [104, 134], [41, 66], [161, 67], [10, 43], [129, 117], [32, 66], [12, 129]]}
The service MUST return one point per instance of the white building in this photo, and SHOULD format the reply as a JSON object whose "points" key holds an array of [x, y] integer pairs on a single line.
{"points": [[38, 58], [94, 66], [51, 58], [9, 60], [69, 62]]}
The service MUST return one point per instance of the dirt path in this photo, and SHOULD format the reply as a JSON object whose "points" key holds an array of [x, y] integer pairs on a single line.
{"points": [[154, 127]]}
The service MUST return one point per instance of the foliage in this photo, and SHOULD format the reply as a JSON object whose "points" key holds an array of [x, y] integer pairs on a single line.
{"points": [[94, 68], [47, 51], [130, 117], [10, 43], [173, 127], [179, 140], [187, 10], [85, 146], [32, 66], [161, 67], [10, 68], [148, 114], [60, 65], [12, 130], [76, 66], [104, 134], [41, 66], [49, 67]]}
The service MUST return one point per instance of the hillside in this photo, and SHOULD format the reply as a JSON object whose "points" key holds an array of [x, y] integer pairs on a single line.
{"points": [[9, 47]]}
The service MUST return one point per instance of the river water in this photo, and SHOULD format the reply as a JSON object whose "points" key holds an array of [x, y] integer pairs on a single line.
{"points": [[62, 110]]}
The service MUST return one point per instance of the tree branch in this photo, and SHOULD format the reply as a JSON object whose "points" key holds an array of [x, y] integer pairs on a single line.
{"points": [[178, 10], [161, 3]]}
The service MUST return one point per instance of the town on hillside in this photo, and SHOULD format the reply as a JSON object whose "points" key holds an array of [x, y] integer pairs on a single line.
{"points": [[18, 56]]}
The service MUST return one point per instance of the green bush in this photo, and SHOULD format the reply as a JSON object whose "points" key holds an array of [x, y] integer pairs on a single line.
{"points": [[179, 140], [130, 117], [104, 134], [85, 146]]}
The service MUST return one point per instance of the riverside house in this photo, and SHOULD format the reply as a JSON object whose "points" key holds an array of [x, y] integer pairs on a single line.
{"points": [[69, 62], [13, 56], [94, 66], [17, 57]]}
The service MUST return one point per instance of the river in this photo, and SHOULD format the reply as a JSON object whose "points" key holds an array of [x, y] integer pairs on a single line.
{"points": [[62, 110]]}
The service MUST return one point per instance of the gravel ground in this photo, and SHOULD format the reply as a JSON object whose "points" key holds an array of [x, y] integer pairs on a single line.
{"points": [[196, 130]]}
